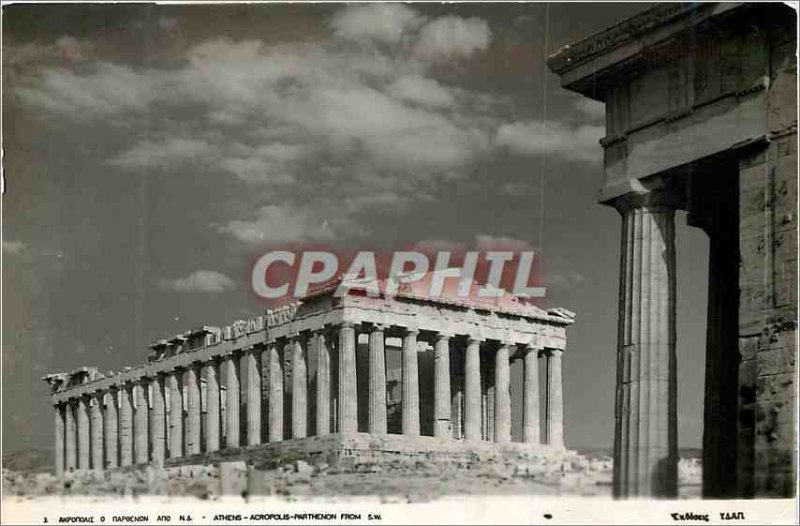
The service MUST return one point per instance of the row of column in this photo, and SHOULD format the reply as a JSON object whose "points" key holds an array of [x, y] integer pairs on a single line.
{"points": [[132, 424]]}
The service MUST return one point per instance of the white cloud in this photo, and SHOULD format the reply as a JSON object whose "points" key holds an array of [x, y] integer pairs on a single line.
{"points": [[200, 281], [160, 154], [452, 36], [578, 144], [271, 163], [422, 91], [485, 242], [378, 22], [279, 223], [593, 109], [13, 247]]}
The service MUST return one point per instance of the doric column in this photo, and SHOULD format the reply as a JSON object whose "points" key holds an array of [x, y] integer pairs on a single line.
{"points": [[84, 462], [377, 381], [232, 396], [212, 427], [192, 432], [348, 391], [140, 421], [554, 405], [472, 391], [71, 437], [442, 426], [96, 429], [253, 377], [645, 439], [530, 396], [410, 384], [299, 387], [275, 392], [175, 414], [158, 434], [59, 428], [125, 426], [323, 384], [502, 395], [111, 421]]}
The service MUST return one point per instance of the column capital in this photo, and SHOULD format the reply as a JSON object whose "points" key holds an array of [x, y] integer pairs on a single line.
{"points": [[655, 196], [474, 338], [554, 352], [531, 347], [444, 335], [408, 331], [378, 327]]}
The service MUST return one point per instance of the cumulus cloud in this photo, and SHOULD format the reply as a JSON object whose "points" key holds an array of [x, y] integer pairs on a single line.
{"points": [[200, 281], [569, 143], [594, 110], [452, 36], [13, 247], [271, 163], [374, 22], [279, 223], [486, 242], [422, 91], [152, 154]]}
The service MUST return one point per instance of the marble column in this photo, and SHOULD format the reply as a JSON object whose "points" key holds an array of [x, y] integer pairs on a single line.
{"points": [[140, 422], [299, 387], [96, 429], [71, 437], [212, 424], [158, 434], [192, 432], [111, 421], [645, 439], [530, 396], [84, 462], [377, 381], [472, 391], [59, 425], [410, 380], [323, 384], [232, 396], [175, 415], [253, 401], [275, 392], [348, 390], [554, 405], [442, 426], [502, 395], [125, 426]]}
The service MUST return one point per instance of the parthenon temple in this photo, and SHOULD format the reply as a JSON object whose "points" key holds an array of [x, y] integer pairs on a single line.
{"points": [[340, 372]]}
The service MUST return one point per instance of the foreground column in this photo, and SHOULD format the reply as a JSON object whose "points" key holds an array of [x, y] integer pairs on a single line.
{"points": [[192, 432], [275, 392], [530, 396], [232, 396], [645, 439], [211, 375], [299, 387], [442, 427], [111, 421], [348, 393], [377, 381], [58, 413], [472, 391], [71, 437], [323, 384], [502, 396], [125, 426], [253, 373], [141, 448], [175, 415], [83, 433], [410, 379], [96, 430], [554, 408], [158, 435]]}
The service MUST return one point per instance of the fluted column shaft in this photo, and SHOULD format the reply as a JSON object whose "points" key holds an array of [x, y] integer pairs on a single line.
{"points": [[140, 423], [530, 397], [348, 391], [111, 422], [157, 428], [410, 384], [645, 439], [323, 384], [212, 426], [125, 426], [299, 387], [83, 433], [442, 426], [472, 391], [59, 427], [232, 395], [377, 381], [175, 415], [192, 433], [96, 429], [554, 408], [275, 392], [253, 378], [502, 396], [71, 437]]}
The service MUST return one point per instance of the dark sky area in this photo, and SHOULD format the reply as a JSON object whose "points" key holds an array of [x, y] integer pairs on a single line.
{"points": [[151, 153]]}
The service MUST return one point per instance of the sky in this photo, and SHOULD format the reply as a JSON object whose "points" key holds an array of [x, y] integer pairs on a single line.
{"points": [[152, 153]]}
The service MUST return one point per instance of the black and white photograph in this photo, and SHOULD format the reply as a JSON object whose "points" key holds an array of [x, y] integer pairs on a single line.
{"points": [[399, 262]]}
